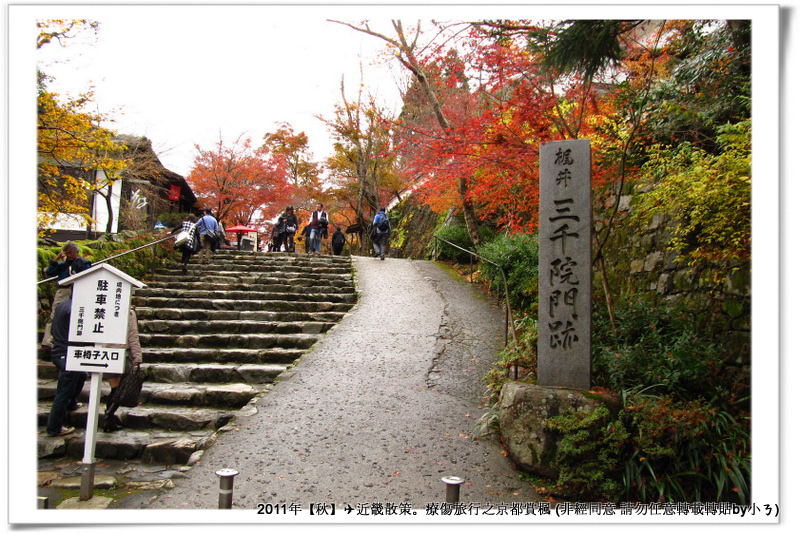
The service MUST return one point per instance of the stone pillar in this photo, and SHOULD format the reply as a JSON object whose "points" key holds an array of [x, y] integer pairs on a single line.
{"points": [[565, 264]]}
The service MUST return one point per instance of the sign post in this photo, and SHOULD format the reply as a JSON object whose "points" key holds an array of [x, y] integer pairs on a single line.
{"points": [[565, 264], [101, 299]]}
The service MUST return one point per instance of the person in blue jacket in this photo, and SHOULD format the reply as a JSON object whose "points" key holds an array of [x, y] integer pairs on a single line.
{"points": [[208, 229], [381, 229]]}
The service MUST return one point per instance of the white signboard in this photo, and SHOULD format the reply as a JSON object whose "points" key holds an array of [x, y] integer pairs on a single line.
{"points": [[96, 359], [100, 305]]}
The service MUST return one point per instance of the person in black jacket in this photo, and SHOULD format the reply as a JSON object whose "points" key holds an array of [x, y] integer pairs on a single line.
{"points": [[287, 224], [67, 263], [337, 241]]}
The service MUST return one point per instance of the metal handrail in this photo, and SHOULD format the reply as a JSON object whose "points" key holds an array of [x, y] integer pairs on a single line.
{"points": [[509, 313], [116, 256]]}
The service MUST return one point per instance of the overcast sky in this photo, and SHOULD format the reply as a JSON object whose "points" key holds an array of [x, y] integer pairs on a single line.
{"points": [[186, 75]]}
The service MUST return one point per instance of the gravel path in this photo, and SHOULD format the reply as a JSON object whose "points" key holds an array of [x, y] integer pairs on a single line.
{"points": [[378, 412]]}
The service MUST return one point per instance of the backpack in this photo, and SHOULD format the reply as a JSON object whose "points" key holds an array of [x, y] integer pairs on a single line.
{"points": [[383, 223]]}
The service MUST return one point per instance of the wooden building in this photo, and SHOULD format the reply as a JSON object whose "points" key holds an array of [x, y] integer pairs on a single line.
{"points": [[144, 191]]}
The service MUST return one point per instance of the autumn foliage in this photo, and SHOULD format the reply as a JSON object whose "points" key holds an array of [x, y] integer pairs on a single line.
{"points": [[240, 184], [501, 105]]}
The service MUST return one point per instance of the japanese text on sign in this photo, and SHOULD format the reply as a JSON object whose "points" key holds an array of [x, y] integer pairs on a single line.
{"points": [[565, 264]]}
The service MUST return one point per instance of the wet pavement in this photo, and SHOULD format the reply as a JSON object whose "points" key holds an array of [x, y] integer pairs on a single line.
{"points": [[376, 414]]}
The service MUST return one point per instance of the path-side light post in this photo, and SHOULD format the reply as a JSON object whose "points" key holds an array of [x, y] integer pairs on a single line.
{"points": [[226, 487], [101, 298], [453, 489]]}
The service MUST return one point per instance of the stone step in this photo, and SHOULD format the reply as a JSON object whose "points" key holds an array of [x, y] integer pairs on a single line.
{"points": [[277, 355], [160, 447], [176, 369], [258, 264], [213, 340], [233, 395], [220, 341], [179, 314], [236, 272], [214, 372], [277, 259], [240, 304], [257, 284], [273, 262], [145, 417], [226, 294], [232, 327]]}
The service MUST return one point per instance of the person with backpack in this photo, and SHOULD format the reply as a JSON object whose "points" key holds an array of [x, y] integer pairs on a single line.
{"points": [[382, 228], [191, 245], [319, 228], [337, 241], [133, 357]]}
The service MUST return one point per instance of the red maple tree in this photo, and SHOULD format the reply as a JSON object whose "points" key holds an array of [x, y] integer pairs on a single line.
{"points": [[241, 185]]}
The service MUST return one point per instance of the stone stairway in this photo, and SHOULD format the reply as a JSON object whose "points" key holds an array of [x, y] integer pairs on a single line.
{"points": [[213, 340]]}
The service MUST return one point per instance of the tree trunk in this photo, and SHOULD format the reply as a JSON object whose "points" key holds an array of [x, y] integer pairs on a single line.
{"points": [[408, 58]]}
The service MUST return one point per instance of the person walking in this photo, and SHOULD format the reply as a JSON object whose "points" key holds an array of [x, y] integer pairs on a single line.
{"points": [[305, 236], [133, 357], [66, 263], [190, 246], [208, 235], [382, 228], [319, 228], [287, 223], [337, 241], [274, 241], [70, 383]]}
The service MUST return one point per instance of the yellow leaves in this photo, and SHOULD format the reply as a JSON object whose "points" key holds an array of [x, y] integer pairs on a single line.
{"points": [[71, 146], [707, 195], [61, 29]]}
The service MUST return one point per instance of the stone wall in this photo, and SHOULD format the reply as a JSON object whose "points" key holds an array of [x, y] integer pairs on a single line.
{"points": [[413, 226], [640, 261]]}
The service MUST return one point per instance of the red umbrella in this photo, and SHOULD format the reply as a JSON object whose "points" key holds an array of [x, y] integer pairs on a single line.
{"points": [[239, 229]]}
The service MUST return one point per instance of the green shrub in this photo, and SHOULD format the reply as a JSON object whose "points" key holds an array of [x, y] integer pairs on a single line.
{"points": [[138, 264], [521, 357], [458, 235], [518, 256], [589, 454], [655, 450], [685, 451], [653, 346]]}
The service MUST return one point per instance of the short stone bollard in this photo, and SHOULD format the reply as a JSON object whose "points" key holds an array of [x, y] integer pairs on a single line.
{"points": [[226, 487], [453, 488]]}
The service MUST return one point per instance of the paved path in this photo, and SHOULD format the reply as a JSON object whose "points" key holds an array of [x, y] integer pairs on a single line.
{"points": [[378, 412]]}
